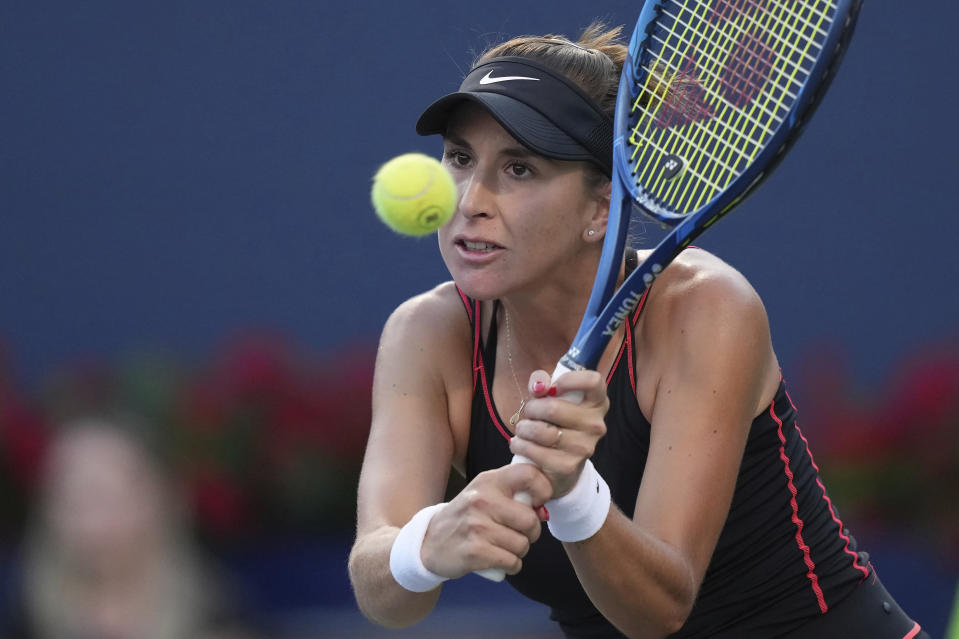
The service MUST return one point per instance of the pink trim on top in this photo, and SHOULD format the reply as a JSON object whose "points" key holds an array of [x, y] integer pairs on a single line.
{"points": [[629, 336], [622, 349], [810, 565], [627, 346], [489, 403], [916, 629], [832, 512], [471, 314], [477, 358], [478, 367], [466, 303]]}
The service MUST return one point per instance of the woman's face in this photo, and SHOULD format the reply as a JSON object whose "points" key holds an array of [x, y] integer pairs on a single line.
{"points": [[103, 499], [521, 217]]}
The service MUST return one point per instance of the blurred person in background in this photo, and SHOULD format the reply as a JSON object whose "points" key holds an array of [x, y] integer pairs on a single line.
{"points": [[108, 554]]}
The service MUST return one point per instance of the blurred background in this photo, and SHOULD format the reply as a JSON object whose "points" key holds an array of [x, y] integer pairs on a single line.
{"points": [[187, 247]]}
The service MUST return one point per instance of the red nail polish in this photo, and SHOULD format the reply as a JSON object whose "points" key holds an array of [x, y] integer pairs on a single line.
{"points": [[552, 391], [539, 387]]}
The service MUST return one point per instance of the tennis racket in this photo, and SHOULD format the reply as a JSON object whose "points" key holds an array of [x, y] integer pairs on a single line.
{"points": [[712, 95]]}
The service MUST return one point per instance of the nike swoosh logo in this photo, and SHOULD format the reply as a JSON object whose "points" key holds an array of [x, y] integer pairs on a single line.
{"points": [[489, 79]]}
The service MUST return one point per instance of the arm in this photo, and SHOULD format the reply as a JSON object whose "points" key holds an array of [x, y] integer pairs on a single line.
{"points": [[410, 446], [713, 359], [421, 396]]}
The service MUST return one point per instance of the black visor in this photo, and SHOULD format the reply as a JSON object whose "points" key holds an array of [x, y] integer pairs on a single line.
{"points": [[542, 109]]}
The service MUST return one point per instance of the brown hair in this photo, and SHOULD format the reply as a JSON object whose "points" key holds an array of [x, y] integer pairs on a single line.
{"points": [[594, 61]]}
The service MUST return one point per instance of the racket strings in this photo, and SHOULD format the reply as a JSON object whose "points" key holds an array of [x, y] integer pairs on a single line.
{"points": [[744, 33], [712, 66], [719, 169], [718, 79], [741, 144], [686, 78], [667, 62], [713, 75], [739, 74]]}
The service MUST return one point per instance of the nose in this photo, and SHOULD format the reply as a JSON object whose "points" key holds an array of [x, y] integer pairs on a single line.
{"points": [[477, 199]]}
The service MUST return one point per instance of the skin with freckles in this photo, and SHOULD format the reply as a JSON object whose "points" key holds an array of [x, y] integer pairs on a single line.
{"points": [[510, 201], [521, 235]]}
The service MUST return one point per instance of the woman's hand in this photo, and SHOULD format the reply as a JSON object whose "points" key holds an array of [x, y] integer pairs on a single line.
{"points": [[558, 435], [484, 527]]}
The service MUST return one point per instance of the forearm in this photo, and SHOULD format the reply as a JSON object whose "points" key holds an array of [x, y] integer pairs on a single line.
{"points": [[380, 598], [638, 582]]}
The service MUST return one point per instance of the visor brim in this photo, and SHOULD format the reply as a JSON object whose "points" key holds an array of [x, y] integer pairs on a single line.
{"points": [[532, 129]]}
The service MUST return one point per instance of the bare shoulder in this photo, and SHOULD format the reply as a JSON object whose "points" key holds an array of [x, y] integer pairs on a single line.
{"points": [[433, 319], [423, 378], [703, 315], [426, 350], [699, 286]]}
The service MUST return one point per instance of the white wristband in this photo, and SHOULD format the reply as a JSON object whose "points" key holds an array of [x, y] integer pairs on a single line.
{"points": [[405, 561], [580, 513]]}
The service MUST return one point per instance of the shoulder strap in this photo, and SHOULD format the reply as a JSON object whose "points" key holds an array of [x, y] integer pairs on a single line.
{"points": [[468, 303], [473, 315]]}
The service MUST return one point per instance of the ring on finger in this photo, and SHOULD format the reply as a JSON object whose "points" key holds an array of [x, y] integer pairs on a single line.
{"points": [[559, 436]]}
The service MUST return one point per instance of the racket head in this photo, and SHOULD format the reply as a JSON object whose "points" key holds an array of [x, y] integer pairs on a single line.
{"points": [[690, 142], [719, 90]]}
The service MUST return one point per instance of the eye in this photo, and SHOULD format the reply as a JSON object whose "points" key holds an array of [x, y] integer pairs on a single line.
{"points": [[519, 170], [457, 159]]}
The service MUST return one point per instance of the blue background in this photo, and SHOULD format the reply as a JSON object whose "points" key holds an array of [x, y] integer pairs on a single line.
{"points": [[174, 173]]}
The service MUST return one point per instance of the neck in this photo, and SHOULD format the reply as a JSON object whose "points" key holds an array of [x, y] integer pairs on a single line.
{"points": [[544, 323]]}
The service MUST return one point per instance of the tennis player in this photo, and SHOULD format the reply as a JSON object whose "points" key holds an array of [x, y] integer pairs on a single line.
{"points": [[679, 497]]}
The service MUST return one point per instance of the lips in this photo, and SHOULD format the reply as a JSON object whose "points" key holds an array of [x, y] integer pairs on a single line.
{"points": [[476, 245]]}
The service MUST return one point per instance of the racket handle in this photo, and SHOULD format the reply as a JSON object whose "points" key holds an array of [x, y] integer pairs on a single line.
{"points": [[572, 396], [523, 497], [495, 574]]}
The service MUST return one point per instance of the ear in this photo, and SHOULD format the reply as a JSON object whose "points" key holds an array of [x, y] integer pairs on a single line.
{"points": [[599, 216]]}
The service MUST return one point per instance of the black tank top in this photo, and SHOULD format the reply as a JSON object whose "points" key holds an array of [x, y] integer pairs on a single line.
{"points": [[783, 556]]}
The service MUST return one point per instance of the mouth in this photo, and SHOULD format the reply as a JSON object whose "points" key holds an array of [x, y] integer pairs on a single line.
{"points": [[476, 246]]}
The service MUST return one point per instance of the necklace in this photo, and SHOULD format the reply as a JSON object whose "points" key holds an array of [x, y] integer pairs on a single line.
{"points": [[509, 358]]}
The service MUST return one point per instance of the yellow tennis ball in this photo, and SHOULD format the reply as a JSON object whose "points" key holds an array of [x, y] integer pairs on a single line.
{"points": [[414, 194]]}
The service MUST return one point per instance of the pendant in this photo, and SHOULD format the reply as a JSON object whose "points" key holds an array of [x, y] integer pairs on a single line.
{"points": [[517, 414]]}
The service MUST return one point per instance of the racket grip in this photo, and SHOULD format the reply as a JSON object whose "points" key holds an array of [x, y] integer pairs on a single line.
{"points": [[572, 396], [495, 574], [523, 497]]}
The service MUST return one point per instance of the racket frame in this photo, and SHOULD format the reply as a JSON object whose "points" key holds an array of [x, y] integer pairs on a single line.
{"points": [[606, 309]]}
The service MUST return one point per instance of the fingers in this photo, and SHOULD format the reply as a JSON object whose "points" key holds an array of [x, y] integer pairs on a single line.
{"points": [[519, 525], [527, 478], [542, 433], [463, 538], [558, 435], [484, 527], [590, 383], [500, 541], [548, 406], [539, 383], [557, 452]]}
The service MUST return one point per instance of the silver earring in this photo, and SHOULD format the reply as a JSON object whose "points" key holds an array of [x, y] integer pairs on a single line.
{"points": [[591, 232]]}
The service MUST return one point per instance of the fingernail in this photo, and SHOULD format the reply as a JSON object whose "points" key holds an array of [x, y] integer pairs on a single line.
{"points": [[539, 387], [552, 391], [543, 513]]}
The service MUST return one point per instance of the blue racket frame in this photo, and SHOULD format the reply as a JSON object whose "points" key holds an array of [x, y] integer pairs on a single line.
{"points": [[606, 310]]}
